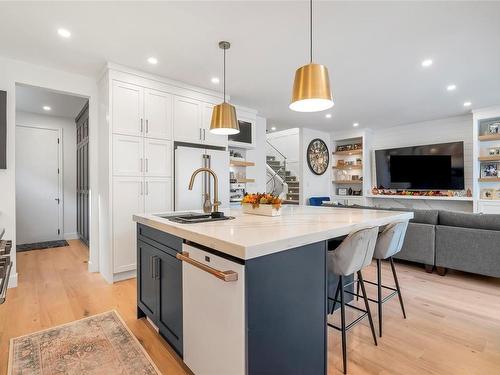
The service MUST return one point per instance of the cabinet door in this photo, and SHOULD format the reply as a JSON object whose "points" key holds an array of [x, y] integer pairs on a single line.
{"points": [[158, 158], [127, 108], [128, 199], [489, 207], [187, 120], [187, 160], [158, 114], [209, 138], [170, 303], [147, 291], [158, 194], [128, 155]]}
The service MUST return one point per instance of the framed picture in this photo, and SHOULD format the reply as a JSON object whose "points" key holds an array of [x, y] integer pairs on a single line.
{"points": [[493, 128], [489, 170], [342, 191], [487, 193]]}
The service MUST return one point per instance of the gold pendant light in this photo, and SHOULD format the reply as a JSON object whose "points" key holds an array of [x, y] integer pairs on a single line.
{"points": [[224, 120], [311, 87]]}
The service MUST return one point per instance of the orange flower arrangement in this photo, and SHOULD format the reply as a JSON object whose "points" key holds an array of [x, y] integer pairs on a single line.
{"points": [[256, 199]]}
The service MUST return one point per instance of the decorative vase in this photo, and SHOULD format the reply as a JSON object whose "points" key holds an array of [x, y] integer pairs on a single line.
{"points": [[261, 209]]}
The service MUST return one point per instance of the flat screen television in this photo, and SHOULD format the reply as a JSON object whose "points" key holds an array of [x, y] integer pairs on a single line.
{"points": [[428, 167]]}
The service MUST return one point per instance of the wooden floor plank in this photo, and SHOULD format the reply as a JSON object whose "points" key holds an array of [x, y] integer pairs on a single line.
{"points": [[453, 324]]}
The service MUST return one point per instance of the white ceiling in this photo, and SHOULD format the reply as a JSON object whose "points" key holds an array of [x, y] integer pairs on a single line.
{"points": [[33, 99], [372, 49]]}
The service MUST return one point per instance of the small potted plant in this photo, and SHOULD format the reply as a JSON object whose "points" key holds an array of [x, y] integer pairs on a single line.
{"points": [[261, 204]]}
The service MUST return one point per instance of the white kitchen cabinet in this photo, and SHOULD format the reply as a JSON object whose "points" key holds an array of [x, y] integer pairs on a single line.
{"points": [[128, 155], [127, 109], [157, 158], [158, 194], [158, 114], [213, 316], [128, 194], [209, 138], [187, 120], [488, 207]]}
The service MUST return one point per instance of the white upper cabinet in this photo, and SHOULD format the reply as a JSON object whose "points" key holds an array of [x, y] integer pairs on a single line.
{"points": [[157, 158], [158, 114], [187, 120], [209, 138], [158, 195], [128, 155], [127, 108]]}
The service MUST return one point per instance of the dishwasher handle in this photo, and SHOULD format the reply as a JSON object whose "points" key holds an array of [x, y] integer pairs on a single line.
{"points": [[223, 275]]}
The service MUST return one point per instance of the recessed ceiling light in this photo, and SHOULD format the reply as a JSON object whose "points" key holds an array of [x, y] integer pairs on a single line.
{"points": [[355, 124], [328, 115], [467, 104], [46, 108], [215, 80], [153, 60], [273, 128], [426, 63], [64, 33], [451, 87]]}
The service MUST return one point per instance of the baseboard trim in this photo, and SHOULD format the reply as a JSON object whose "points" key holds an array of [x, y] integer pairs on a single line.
{"points": [[71, 236], [124, 275], [12, 281]]}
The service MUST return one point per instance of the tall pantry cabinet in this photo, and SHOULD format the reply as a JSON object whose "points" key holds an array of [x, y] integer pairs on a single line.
{"points": [[140, 116]]}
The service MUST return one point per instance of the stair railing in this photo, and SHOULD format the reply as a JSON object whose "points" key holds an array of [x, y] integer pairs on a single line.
{"points": [[282, 167]]}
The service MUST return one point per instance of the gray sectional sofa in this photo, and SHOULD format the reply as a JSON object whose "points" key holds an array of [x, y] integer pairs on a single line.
{"points": [[455, 240]]}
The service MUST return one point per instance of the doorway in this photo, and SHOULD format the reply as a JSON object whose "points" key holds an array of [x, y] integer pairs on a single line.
{"points": [[47, 166]]}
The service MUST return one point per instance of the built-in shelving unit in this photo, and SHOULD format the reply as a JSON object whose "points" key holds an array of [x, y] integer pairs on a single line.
{"points": [[422, 197], [348, 166], [486, 168], [348, 152], [238, 165]]}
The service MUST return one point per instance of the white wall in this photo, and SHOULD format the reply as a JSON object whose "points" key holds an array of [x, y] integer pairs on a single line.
{"points": [[287, 142], [258, 155], [68, 128], [312, 185], [12, 72]]}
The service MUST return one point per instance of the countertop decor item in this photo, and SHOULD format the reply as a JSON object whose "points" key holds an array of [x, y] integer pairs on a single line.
{"points": [[100, 344], [311, 87], [224, 120], [318, 156], [261, 204]]}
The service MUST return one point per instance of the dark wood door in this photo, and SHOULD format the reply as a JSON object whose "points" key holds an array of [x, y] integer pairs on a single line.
{"points": [[170, 304], [82, 175], [147, 279]]}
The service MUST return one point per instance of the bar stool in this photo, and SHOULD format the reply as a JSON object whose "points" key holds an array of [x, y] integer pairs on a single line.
{"points": [[389, 243], [353, 254]]}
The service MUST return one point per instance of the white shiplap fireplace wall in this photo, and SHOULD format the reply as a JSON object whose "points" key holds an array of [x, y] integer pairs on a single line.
{"points": [[449, 129]]}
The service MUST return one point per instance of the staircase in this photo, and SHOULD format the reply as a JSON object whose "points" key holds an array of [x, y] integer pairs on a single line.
{"points": [[278, 176]]}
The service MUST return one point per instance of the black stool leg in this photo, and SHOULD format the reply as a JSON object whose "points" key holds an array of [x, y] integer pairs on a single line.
{"points": [[357, 291], [379, 295], [367, 306], [342, 315], [335, 299], [397, 287]]}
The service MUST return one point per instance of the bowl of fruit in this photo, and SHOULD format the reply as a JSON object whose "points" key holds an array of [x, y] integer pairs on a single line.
{"points": [[261, 204]]}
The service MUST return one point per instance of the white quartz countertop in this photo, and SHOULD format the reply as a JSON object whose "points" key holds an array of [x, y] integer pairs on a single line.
{"points": [[252, 236]]}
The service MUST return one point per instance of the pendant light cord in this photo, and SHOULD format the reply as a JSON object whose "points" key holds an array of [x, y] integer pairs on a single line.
{"points": [[224, 75], [311, 30]]}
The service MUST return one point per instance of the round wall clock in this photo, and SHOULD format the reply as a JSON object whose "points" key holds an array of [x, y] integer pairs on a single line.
{"points": [[318, 157]]}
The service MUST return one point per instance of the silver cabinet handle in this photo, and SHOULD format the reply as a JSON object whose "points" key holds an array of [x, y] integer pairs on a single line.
{"points": [[142, 189], [223, 275], [147, 126], [141, 125], [204, 134], [147, 187], [141, 161], [201, 138], [147, 164]]}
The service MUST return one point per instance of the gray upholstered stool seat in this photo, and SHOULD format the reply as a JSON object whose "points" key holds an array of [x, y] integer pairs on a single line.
{"points": [[353, 254], [389, 242]]}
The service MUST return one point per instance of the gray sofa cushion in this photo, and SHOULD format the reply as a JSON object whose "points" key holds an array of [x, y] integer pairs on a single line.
{"points": [[419, 216], [469, 250], [468, 220], [419, 244]]}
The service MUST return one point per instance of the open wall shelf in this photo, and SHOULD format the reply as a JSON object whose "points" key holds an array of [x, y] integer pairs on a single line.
{"points": [[489, 137], [348, 152]]}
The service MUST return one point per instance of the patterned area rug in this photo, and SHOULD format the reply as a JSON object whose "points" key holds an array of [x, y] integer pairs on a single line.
{"points": [[41, 245], [97, 345]]}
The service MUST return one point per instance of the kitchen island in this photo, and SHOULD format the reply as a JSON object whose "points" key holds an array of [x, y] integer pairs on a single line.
{"points": [[248, 295]]}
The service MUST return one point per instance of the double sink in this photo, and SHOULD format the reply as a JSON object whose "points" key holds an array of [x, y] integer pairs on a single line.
{"points": [[194, 217]]}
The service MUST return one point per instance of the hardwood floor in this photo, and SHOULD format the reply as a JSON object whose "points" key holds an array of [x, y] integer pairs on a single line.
{"points": [[453, 324]]}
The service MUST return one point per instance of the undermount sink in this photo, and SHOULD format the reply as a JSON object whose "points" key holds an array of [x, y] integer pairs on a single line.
{"points": [[192, 217]]}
